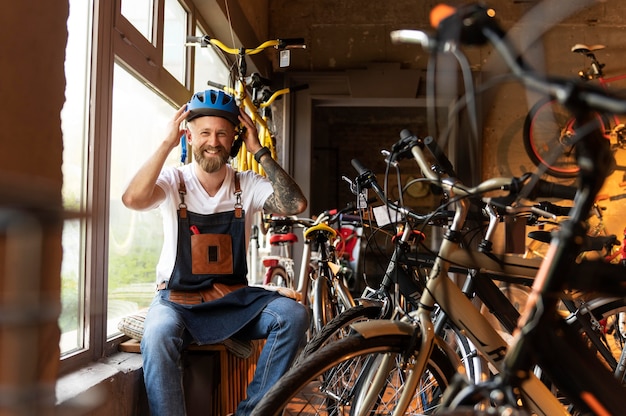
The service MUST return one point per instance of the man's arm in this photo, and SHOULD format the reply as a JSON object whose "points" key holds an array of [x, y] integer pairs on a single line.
{"points": [[287, 198], [142, 192]]}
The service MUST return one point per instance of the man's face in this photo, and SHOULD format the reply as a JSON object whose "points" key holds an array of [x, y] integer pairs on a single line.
{"points": [[211, 139]]}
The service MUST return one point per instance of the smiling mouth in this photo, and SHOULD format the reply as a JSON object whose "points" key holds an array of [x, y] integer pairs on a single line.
{"points": [[213, 151]]}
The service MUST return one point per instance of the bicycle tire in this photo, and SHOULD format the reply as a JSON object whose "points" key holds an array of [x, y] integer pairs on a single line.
{"points": [[338, 328], [603, 308], [323, 306], [320, 386], [279, 277], [547, 128], [476, 367]]}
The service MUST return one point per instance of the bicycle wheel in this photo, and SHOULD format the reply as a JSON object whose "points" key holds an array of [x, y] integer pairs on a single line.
{"points": [[548, 137], [323, 305], [548, 133], [476, 367], [279, 277], [338, 328], [606, 312], [325, 382]]}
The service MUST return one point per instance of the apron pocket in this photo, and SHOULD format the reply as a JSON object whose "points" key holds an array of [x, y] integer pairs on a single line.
{"points": [[211, 254]]}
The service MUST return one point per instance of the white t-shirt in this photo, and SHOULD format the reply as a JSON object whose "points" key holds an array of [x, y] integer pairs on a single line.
{"points": [[255, 189]]}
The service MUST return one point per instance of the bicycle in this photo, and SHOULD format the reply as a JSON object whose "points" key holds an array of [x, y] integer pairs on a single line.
{"points": [[574, 369], [279, 267], [419, 345], [252, 91], [330, 294], [481, 284], [425, 356], [549, 128], [321, 283]]}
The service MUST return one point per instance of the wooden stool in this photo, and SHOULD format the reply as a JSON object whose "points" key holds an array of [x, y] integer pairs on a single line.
{"points": [[215, 379]]}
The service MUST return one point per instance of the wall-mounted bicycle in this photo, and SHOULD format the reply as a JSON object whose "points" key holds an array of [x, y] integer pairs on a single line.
{"points": [[549, 127], [252, 91]]}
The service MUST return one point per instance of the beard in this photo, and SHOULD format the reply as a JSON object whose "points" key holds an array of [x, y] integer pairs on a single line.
{"points": [[211, 163]]}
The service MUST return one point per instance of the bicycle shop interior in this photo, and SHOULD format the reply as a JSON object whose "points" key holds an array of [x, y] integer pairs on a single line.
{"points": [[74, 76]]}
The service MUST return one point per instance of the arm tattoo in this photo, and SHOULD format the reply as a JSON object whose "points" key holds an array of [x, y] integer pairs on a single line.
{"points": [[287, 198]]}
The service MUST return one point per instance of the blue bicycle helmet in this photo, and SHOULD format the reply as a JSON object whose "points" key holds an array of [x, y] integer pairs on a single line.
{"points": [[213, 103]]}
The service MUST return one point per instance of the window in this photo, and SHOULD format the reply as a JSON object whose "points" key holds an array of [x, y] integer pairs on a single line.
{"points": [[174, 37], [111, 125], [140, 14], [135, 238], [74, 125], [209, 66]]}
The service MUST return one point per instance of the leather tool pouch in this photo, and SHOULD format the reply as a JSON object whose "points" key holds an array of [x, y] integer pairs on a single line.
{"points": [[217, 291]]}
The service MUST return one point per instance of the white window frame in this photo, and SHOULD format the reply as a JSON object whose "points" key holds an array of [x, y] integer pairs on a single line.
{"points": [[114, 38]]}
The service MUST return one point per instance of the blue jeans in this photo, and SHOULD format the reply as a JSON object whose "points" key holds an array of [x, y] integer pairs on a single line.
{"points": [[283, 323]]}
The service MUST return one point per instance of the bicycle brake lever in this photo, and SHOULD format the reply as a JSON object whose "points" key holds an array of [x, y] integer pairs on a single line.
{"points": [[351, 184], [388, 158]]}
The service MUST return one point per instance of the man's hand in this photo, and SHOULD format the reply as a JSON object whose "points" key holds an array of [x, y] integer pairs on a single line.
{"points": [[251, 139], [173, 130]]}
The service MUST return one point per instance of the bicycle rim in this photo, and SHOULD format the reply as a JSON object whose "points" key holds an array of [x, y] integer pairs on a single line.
{"points": [[326, 382], [547, 138]]}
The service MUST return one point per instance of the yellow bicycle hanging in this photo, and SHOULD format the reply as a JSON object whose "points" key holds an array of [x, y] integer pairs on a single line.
{"points": [[252, 92]]}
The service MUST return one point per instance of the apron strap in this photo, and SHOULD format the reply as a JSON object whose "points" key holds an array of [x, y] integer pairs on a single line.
{"points": [[182, 191], [238, 206]]}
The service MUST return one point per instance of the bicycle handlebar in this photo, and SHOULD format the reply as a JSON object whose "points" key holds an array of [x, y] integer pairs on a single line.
{"points": [[367, 179], [528, 186], [291, 43], [287, 43], [276, 94], [545, 189], [216, 85], [476, 25]]}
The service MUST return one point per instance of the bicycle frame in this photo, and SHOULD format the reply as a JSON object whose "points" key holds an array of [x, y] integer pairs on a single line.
{"points": [[543, 337]]}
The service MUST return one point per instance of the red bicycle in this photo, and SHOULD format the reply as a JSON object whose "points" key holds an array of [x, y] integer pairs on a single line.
{"points": [[548, 128]]}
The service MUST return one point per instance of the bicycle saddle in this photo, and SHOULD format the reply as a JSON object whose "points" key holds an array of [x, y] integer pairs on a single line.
{"points": [[582, 48], [283, 238], [321, 228]]}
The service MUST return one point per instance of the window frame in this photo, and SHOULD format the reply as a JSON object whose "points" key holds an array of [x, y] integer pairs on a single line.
{"points": [[115, 39]]}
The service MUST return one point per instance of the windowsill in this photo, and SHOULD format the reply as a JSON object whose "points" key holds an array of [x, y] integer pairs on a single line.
{"points": [[91, 387]]}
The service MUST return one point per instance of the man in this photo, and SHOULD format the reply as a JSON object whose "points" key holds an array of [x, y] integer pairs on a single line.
{"points": [[201, 275]]}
